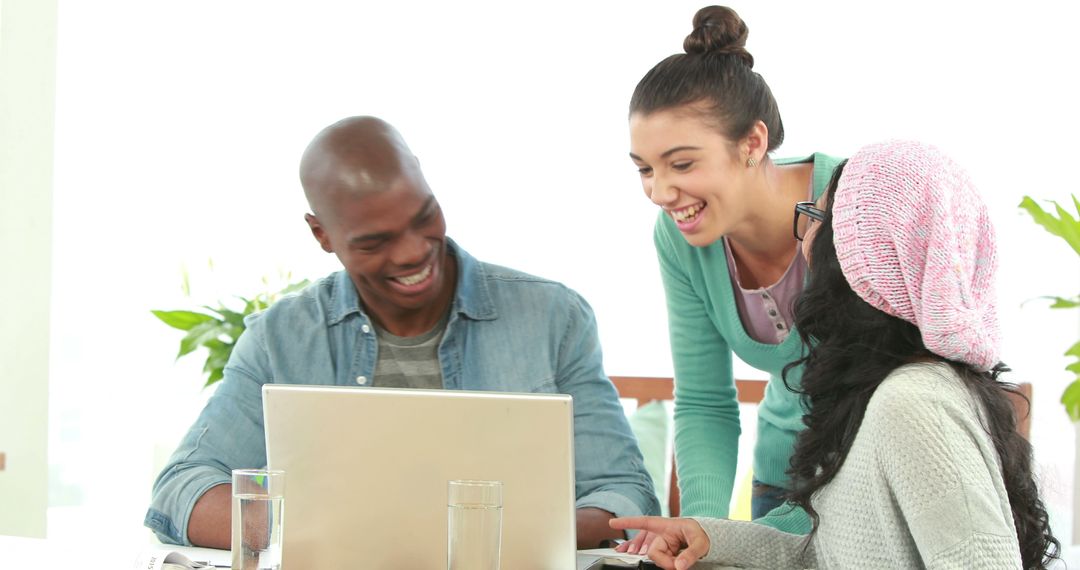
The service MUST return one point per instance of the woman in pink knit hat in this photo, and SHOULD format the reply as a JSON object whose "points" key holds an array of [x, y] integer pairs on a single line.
{"points": [[910, 457], [703, 125]]}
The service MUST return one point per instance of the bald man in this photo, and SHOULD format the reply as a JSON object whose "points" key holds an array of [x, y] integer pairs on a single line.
{"points": [[410, 309]]}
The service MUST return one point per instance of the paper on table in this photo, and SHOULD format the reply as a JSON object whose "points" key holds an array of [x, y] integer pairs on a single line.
{"points": [[162, 559], [599, 557]]}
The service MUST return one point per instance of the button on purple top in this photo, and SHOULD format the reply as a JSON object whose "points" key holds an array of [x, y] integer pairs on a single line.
{"points": [[766, 312]]}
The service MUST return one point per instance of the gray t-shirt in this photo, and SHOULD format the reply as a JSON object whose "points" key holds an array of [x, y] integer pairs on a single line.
{"points": [[410, 362]]}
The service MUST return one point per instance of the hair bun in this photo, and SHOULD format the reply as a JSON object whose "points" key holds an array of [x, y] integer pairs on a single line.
{"points": [[718, 30]]}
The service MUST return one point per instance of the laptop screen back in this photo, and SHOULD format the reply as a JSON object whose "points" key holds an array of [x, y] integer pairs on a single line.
{"points": [[367, 471]]}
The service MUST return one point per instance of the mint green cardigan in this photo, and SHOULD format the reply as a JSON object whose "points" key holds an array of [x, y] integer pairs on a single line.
{"points": [[705, 330]]}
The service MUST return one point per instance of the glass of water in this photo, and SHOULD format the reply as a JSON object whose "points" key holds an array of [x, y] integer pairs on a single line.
{"points": [[258, 509], [474, 529]]}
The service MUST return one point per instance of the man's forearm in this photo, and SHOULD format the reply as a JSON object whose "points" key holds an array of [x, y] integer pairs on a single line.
{"points": [[210, 524], [593, 528]]}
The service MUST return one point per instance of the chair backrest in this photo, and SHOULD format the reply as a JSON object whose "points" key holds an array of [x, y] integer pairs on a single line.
{"points": [[647, 389]]}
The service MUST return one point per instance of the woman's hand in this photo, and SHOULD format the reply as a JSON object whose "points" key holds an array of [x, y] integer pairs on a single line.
{"points": [[670, 543], [639, 543]]}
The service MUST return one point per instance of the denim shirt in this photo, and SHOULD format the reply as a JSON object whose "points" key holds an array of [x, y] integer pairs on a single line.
{"points": [[507, 331]]}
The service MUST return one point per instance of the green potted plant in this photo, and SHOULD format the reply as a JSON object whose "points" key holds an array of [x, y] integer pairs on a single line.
{"points": [[217, 328], [1061, 223]]}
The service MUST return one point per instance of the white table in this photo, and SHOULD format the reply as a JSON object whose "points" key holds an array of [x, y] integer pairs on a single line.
{"points": [[17, 553]]}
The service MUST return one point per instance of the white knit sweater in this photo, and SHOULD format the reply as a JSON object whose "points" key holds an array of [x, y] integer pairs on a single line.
{"points": [[921, 488]]}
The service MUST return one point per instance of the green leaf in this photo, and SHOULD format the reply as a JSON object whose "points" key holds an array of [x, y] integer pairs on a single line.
{"points": [[214, 377], [1071, 399], [183, 320], [256, 304], [1063, 303], [218, 328], [1074, 351], [218, 358], [1040, 216], [199, 336], [232, 332], [219, 345], [1066, 228], [215, 312], [232, 317], [1070, 228], [1074, 368]]}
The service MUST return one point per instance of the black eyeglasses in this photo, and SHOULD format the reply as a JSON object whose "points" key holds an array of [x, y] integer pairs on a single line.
{"points": [[806, 213]]}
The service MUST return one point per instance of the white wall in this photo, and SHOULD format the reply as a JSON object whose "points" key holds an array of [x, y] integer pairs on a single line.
{"points": [[27, 74], [179, 127]]}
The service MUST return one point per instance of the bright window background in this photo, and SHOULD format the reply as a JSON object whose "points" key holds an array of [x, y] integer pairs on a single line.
{"points": [[180, 125]]}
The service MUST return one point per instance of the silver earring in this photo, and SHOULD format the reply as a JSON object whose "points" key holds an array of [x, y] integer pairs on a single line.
{"points": [[750, 162]]}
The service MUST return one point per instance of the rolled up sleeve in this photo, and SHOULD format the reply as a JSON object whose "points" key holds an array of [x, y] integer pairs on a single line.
{"points": [[227, 435]]}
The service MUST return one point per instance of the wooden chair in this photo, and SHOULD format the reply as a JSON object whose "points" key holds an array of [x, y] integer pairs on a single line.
{"points": [[647, 389]]}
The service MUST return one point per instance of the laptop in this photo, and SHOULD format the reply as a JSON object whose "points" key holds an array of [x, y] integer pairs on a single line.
{"points": [[366, 473]]}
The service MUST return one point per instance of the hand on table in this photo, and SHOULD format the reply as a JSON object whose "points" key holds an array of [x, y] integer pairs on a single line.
{"points": [[673, 544], [638, 544]]}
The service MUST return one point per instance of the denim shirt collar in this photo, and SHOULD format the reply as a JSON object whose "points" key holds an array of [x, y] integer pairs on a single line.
{"points": [[471, 296]]}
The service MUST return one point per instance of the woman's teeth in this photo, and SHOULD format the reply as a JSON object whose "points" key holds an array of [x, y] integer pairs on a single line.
{"points": [[687, 214]]}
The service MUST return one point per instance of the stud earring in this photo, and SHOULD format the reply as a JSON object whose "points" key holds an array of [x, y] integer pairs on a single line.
{"points": [[750, 162]]}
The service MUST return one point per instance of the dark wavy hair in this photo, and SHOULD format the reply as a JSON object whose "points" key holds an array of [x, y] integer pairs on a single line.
{"points": [[850, 347]]}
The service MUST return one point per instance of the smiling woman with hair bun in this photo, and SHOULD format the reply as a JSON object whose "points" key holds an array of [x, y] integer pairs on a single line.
{"points": [[703, 127]]}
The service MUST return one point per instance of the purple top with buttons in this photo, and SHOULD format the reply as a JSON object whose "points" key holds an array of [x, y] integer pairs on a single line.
{"points": [[766, 312]]}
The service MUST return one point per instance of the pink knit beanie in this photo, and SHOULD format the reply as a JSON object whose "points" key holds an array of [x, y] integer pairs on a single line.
{"points": [[914, 239]]}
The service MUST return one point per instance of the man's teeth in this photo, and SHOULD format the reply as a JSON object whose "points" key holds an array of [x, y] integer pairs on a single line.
{"points": [[688, 213], [416, 277]]}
